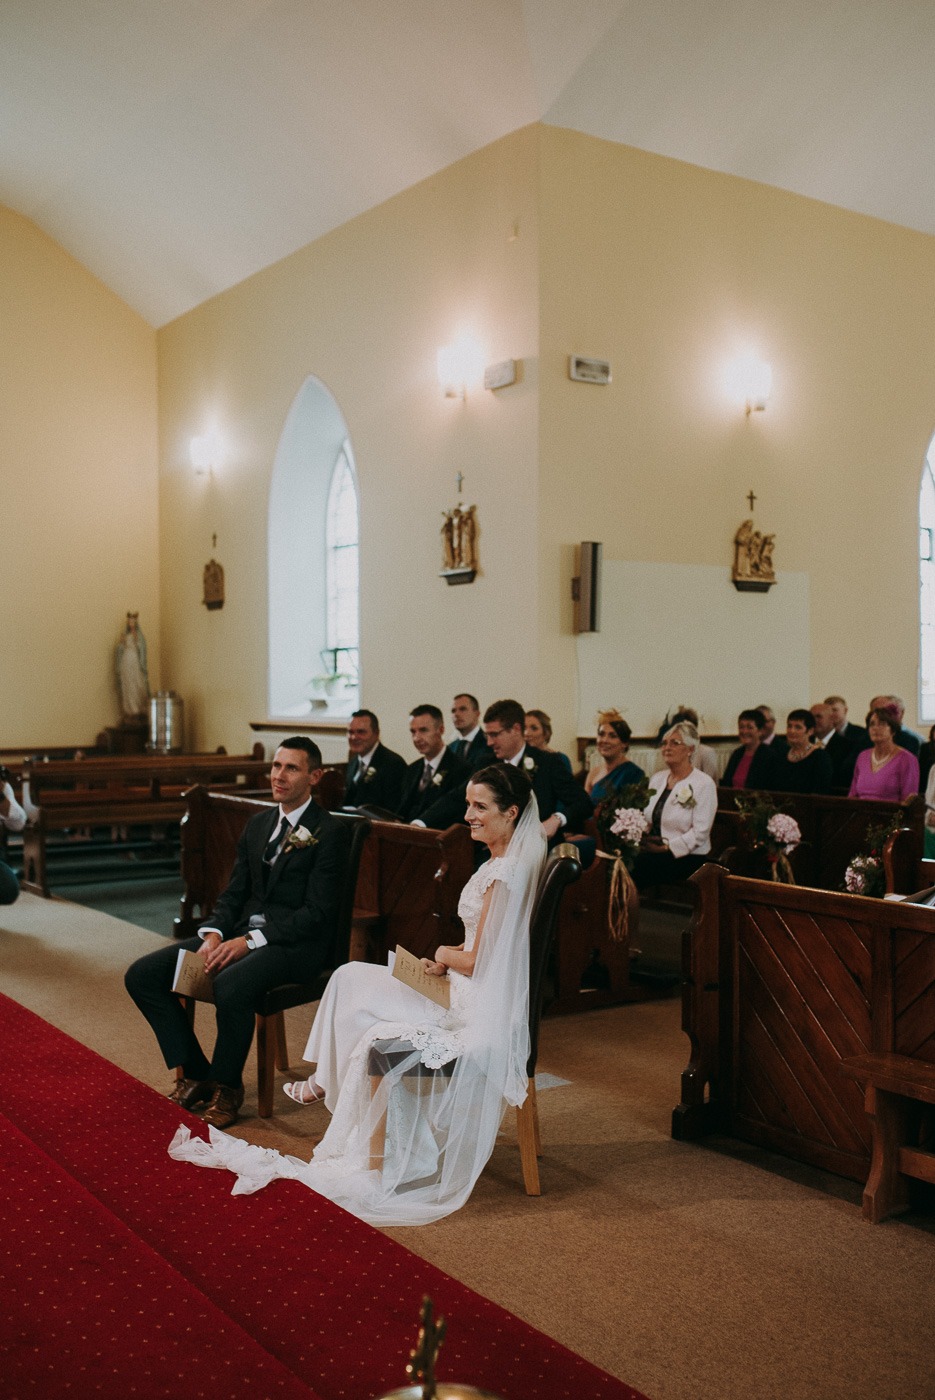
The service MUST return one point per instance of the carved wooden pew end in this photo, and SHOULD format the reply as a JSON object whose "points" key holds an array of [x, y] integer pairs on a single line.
{"points": [[900, 1102]]}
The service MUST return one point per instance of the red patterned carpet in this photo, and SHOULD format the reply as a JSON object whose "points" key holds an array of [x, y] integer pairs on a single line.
{"points": [[127, 1274]]}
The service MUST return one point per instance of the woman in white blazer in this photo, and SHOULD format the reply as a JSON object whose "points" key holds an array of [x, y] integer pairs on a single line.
{"points": [[681, 813]]}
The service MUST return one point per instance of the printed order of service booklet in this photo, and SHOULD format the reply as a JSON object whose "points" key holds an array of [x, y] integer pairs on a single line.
{"points": [[191, 980], [408, 968]]}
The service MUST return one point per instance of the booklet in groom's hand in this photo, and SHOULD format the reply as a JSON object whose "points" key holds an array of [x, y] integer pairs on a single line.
{"points": [[408, 968], [191, 980]]}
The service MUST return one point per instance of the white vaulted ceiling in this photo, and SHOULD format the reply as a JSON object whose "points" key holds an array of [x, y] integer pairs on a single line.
{"points": [[177, 146]]}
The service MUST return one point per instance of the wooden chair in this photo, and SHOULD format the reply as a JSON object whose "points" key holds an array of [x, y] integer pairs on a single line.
{"points": [[271, 1050], [562, 868]]}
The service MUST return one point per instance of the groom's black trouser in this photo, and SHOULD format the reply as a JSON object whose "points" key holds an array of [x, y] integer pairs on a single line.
{"points": [[237, 989]]}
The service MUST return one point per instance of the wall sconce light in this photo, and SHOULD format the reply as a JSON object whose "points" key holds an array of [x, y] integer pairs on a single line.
{"points": [[751, 382], [459, 366], [205, 450]]}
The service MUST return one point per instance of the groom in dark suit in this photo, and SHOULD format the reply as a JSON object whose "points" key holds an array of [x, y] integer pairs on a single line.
{"points": [[273, 924], [437, 772]]}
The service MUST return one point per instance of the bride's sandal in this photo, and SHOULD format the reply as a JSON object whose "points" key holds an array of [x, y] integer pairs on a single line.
{"points": [[304, 1091]]}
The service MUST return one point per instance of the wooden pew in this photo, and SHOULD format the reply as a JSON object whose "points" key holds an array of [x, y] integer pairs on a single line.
{"points": [[408, 888], [119, 791], [834, 830], [408, 884], [782, 984]]}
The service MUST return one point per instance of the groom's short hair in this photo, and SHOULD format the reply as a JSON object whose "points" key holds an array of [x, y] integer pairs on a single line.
{"points": [[309, 748], [507, 713]]}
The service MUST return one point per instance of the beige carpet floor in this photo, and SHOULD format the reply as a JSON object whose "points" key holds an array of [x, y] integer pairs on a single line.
{"points": [[693, 1272]]}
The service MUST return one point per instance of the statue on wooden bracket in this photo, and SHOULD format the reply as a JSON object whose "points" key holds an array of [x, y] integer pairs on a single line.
{"points": [[459, 542], [213, 582], [753, 570]]}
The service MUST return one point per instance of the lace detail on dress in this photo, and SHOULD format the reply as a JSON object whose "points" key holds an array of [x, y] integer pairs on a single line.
{"points": [[472, 896]]}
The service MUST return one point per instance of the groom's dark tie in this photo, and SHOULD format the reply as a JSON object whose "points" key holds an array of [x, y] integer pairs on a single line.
{"points": [[462, 747], [426, 776], [269, 855]]}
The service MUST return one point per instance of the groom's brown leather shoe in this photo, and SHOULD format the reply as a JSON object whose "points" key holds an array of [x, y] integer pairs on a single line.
{"points": [[188, 1093], [222, 1110]]}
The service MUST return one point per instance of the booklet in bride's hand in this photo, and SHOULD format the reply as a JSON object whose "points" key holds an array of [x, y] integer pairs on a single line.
{"points": [[191, 980], [408, 968]]}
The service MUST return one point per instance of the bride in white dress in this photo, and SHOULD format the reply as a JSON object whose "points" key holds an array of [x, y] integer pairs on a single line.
{"points": [[417, 1093]]}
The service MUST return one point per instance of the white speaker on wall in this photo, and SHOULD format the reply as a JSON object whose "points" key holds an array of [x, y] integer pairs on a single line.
{"points": [[586, 587]]}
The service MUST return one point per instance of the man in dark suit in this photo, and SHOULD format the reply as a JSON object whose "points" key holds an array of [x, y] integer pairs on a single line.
{"points": [[471, 746], [374, 773], [777, 742], [853, 734], [843, 754], [437, 772], [273, 924], [561, 800]]}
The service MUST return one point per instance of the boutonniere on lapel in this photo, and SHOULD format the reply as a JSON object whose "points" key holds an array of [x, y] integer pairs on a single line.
{"points": [[300, 839], [370, 774], [685, 798], [529, 763], [438, 779]]}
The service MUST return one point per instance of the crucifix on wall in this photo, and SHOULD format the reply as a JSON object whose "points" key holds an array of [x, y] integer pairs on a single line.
{"points": [[753, 570], [459, 541]]}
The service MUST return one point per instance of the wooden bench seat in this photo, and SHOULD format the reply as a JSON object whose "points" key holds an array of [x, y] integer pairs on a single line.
{"points": [[896, 1086], [785, 985], [120, 791]]}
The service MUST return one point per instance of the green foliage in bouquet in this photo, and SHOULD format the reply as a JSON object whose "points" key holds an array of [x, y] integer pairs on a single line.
{"points": [[865, 875], [633, 797]]}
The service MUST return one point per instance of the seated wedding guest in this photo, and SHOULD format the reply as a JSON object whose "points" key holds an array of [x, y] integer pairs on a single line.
{"points": [[777, 742], [681, 813], [804, 766], [615, 770], [470, 746], [12, 818], [273, 924], [750, 765], [906, 738], [417, 1091], [436, 772], [926, 760], [374, 773], [843, 755], [562, 801], [705, 757], [855, 734], [886, 771], [538, 735]]}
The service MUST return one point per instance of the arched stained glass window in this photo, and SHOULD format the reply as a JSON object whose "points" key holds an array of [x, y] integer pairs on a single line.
{"points": [[927, 588]]}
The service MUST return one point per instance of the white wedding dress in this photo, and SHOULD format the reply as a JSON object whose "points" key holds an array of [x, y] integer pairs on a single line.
{"points": [[415, 1119]]}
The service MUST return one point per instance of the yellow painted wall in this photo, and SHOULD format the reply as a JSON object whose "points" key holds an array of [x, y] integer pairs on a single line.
{"points": [[79, 463], [668, 270], [663, 268], [365, 309]]}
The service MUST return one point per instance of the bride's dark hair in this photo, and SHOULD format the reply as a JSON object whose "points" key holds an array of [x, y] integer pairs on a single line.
{"points": [[509, 785]]}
